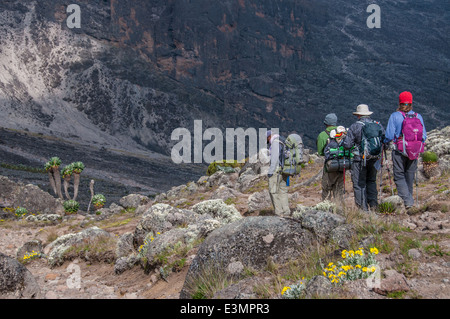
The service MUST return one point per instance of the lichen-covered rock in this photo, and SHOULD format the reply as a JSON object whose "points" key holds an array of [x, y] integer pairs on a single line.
{"points": [[321, 223], [133, 200], [125, 245], [218, 209], [439, 143], [43, 218], [16, 281], [224, 192], [61, 245], [160, 218], [318, 286], [251, 241], [325, 206], [259, 201]]}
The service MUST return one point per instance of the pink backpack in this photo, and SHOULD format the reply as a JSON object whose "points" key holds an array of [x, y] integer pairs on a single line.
{"points": [[410, 143]]}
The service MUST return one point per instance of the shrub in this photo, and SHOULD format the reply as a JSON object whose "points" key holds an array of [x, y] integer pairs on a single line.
{"points": [[71, 206], [429, 156], [355, 265], [294, 291], [213, 167]]}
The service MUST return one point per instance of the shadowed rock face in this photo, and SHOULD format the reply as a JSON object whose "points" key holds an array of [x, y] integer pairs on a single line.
{"points": [[16, 281], [136, 70]]}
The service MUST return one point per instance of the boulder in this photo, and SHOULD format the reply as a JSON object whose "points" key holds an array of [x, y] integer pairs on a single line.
{"points": [[250, 242], [438, 142], [224, 192], [321, 223], [259, 201], [29, 196], [16, 281], [160, 218], [133, 201], [218, 210], [318, 286]]}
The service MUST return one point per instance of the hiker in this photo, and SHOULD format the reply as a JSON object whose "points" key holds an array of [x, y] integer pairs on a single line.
{"points": [[332, 182], [404, 156], [365, 136], [277, 181], [337, 161]]}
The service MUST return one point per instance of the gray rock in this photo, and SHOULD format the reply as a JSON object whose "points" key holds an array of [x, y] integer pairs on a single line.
{"points": [[125, 245], [318, 286], [321, 223], [414, 253], [343, 235], [161, 218], [252, 241], [224, 192], [259, 201], [16, 281], [133, 201], [123, 264]]}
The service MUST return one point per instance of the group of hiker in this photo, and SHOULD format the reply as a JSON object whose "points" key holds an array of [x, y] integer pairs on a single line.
{"points": [[360, 149]]}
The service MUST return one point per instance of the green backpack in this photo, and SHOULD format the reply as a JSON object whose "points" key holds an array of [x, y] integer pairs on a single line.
{"points": [[371, 139], [291, 155]]}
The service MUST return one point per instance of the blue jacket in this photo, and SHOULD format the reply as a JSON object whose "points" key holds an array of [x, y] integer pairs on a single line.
{"points": [[394, 127]]}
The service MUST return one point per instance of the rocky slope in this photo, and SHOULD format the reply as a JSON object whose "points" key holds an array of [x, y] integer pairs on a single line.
{"points": [[217, 238], [134, 71]]}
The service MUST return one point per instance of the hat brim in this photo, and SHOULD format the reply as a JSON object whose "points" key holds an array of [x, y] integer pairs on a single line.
{"points": [[362, 113]]}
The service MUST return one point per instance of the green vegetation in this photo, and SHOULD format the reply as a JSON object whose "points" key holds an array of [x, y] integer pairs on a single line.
{"points": [[429, 156], [215, 166], [71, 206]]}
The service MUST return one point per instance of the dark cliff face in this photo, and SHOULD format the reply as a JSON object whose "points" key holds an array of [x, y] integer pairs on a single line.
{"points": [[136, 70]]}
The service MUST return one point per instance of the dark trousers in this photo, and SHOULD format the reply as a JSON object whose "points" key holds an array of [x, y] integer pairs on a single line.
{"points": [[404, 170], [364, 180]]}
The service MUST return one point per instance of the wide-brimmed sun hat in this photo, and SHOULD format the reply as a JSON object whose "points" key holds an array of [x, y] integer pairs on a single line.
{"points": [[362, 109]]}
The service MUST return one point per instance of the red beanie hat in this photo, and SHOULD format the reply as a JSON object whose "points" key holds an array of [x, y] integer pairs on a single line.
{"points": [[405, 97]]}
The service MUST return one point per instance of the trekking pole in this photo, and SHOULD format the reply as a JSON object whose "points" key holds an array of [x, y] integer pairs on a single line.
{"points": [[417, 189], [381, 177], [389, 174]]}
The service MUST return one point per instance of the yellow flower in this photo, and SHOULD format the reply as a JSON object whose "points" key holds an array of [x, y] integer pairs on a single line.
{"points": [[364, 269], [330, 264], [324, 273], [374, 250], [285, 289], [358, 266]]}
